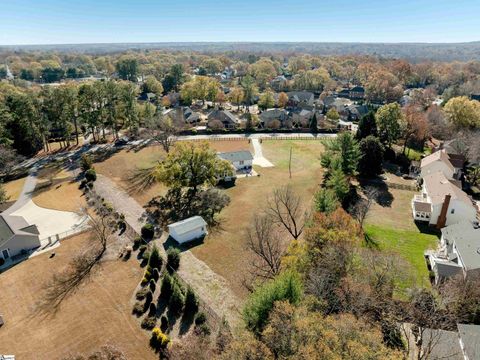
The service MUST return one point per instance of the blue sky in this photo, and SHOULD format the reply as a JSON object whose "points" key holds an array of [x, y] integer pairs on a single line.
{"points": [[92, 21]]}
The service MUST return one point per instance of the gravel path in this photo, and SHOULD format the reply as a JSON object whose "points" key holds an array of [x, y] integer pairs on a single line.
{"points": [[211, 288]]}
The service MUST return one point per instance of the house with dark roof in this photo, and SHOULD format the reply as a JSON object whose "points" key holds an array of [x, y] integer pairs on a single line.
{"points": [[268, 116], [458, 252], [357, 93], [16, 235], [295, 98], [228, 120]]}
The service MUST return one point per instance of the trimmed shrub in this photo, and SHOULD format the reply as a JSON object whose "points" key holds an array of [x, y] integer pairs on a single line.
{"points": [[137, 242], [152, 285], [86, 162], [138, 308], [158, 340], [144, 281], [164, 323], [146, 254], [148, 231], [191, 302], [203, 329], [155, 274], [142, 248], [173, 259], [91, 175], [149, 322], [152, 310], [177, 300], [285, 287], [155, 260], [200, 319], [148, 298], [167, 287], [140, 295]]}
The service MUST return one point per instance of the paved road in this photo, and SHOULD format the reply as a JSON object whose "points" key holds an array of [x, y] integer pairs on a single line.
{"points": [[212, 288]]}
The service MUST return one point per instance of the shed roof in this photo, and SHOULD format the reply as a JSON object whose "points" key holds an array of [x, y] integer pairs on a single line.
{"points": [[187, 225]]}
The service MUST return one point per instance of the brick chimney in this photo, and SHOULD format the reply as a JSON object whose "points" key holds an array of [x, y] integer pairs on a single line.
{"points": [[442, 218]]}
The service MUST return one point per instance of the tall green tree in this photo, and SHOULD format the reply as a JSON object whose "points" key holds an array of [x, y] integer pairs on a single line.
{"points": [[314, 124], [127, 68], [372, 150], [343, 152], [390, 123], [250, 89], [367, 126]]}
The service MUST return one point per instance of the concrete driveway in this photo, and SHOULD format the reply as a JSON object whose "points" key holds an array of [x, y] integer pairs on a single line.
{"points": [[258, 158]]}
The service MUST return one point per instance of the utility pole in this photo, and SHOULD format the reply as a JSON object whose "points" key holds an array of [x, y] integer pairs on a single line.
{"points": [[290, 163]]}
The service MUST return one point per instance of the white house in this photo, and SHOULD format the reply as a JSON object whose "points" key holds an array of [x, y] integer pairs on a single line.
{"points": [[16, 235], [458, 251], [187, 230], [240, 160], [438, 161], [442, 203]]}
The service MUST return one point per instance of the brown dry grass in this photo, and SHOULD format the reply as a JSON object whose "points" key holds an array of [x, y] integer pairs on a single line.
{"points": [[120, 166], [224, 250], [61, 195], [99, 313], [14, 188]]}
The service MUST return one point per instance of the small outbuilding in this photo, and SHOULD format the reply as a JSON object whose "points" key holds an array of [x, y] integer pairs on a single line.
{"points": [[187, 230]]}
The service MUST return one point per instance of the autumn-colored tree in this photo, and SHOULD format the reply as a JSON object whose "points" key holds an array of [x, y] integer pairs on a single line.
{"points": [[266, 100], [463, 112], [415, 125], [236, 96], [332, 114], [282, 100]]}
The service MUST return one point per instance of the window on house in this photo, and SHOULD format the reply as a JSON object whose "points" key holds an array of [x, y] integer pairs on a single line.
{"points": [[453, 211], [241, 162]]}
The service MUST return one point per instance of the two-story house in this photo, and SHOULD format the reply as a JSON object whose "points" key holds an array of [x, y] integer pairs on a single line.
{"points": [[441, 202], [458, 253]]}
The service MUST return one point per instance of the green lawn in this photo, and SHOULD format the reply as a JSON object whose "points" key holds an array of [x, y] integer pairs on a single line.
{"points": [[408, 244]]}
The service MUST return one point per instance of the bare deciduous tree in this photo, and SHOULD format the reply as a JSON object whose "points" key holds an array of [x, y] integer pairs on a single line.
{"points": [[65, 283], [161, 130], [285, 208], [360, 209], [268, 246]]}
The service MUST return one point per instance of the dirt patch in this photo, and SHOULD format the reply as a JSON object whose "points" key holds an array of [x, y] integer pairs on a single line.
{"points": [[98, 313]]}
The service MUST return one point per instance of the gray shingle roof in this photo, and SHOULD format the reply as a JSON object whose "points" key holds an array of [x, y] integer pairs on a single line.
{"points": [[236, 156], [467, 242], [470, 337]]}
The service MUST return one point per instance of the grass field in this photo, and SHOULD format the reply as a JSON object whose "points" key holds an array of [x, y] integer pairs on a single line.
{"points": [[224, 250], [14, 188], [392, 228], [98, 313], [56, 189], [121, 166]]}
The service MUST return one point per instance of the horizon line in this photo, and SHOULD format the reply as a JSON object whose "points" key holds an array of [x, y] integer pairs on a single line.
{"points": [[248, 42]]}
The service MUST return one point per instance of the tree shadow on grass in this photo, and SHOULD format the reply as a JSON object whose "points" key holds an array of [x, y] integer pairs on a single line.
{"points": [[172, 243], [370, 242], [186, 322]]}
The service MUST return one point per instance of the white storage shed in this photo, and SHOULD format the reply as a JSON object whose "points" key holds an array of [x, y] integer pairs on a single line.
{"points": [[187, 230]]}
